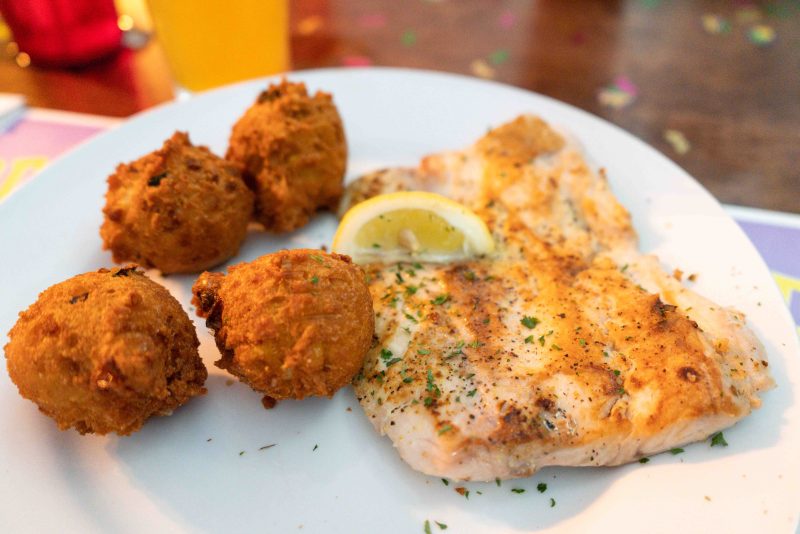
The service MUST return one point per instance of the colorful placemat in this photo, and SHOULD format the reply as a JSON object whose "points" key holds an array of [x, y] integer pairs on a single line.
{"points": [[36, 137]]}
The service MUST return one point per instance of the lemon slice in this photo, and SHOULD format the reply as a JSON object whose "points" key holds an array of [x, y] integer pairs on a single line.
{"points": [[411, 225]]}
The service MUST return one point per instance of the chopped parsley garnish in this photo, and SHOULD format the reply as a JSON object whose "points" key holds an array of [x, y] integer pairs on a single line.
{"points": [[416, 265], [555, 347], [616, 372], [431, 386], [442, 526], [644, 460], [410, 290], [375, 245], [445, 428], [317, 446], [445, 482], [427, 528], [424, 352], [410, 317], [399, 277], [676, 450], [267, 446], [541, 487], [624, 268], [517, 490], [475, 344], [393, 361], [427, 401], [386, 354], [529, 322], [552, 502], [541, 340], [472, 393], [241, 453], [497, 481], [529, 339], [582, 342], [469, 275], [441, 299], [314, 280], [621, 391], [718, 439], [485, 320], [316, 258]]}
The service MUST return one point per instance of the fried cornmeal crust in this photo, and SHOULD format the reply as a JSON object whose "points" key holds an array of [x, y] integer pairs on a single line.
{"points": [[291, 324], [102, 352], [293, 150], [180, 209]]}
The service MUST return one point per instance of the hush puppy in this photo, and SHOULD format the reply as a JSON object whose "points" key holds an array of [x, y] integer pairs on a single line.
{"points": [[180, 209], [293, 151], [101, 352], [291, 324]]}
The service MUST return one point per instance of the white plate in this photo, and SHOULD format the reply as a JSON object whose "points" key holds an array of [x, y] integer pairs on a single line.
{"points": [[170, 477]]}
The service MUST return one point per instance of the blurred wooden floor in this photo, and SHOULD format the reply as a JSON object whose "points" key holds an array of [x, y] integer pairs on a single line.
{"points": [[704, 71]]}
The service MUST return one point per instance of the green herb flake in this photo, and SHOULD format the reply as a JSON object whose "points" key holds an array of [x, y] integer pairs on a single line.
{"points": [[616, 372], [410, 290], [314, 280], [718, 439], [424, 352], [315, 448], [582, 342], [541, 487], [676, 451], [541, 340], [497, 481], [621, 391], [517, 490], [555, 347], [552, 502], [444, 429], [416, 265], [441, 526], [410, 317], [427, 528], [441, 299], [386, 354], [445, 482], [529, 322], [624, 268], [375, 245], [393, 361], [469, 275], [644, 460], [241, 453], [399, 277], [316, 258], [529, 339], [472, 393]]}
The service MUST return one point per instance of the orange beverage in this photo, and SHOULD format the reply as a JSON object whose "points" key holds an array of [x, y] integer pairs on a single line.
{"points": [[214, 42]]}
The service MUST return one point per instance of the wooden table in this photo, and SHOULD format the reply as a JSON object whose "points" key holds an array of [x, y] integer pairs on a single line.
{"points": [[704, 71]]}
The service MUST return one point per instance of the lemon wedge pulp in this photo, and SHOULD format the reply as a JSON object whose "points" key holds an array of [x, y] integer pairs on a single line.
{"points": [[411, 225]]}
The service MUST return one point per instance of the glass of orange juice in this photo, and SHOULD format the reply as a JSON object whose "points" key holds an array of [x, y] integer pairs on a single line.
{"points": [[214, 42]]}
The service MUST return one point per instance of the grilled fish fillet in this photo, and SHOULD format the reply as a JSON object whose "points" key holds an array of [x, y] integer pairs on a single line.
{"points": [[567, 347]]}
